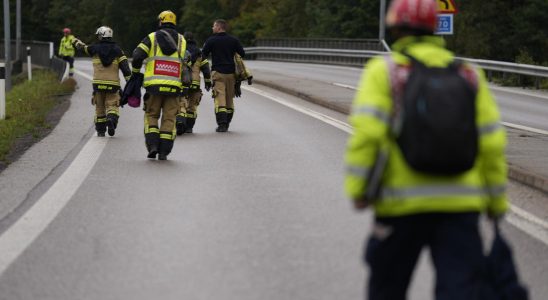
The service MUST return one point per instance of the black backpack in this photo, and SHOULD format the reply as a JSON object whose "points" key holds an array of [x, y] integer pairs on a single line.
{"points": [[435, 119]]}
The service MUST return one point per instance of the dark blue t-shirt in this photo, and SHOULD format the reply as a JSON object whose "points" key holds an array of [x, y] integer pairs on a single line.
{"points": [[222, 48]]}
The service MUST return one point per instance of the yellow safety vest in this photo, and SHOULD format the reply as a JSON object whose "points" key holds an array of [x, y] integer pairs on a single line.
{"points": [[162, 70], [65, 47]]}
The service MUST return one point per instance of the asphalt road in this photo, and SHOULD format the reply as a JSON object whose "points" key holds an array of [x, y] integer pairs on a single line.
{"points": [[256, 213]]}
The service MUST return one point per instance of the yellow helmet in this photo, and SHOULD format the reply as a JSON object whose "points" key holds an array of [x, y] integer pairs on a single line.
{"points": [[167, 16]]}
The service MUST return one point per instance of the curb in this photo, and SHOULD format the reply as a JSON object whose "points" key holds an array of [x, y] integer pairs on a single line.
{"points": [[515, 173]]}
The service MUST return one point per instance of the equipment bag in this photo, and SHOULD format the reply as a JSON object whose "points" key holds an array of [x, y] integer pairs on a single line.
{"points": [[435, 111]]}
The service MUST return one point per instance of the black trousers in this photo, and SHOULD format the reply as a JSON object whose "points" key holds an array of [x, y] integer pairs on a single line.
{"points": [[455, 245]]}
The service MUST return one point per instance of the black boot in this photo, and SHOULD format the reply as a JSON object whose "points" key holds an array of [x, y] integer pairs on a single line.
{"points": [[100, 127], [180, 124], [229, 115], [152, 141], [190, 124], [222, 121], [165, 148], [112, 123]]}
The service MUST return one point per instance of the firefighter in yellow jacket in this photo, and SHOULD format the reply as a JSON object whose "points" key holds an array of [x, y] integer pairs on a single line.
{"points": [[164, 51], [66, 49], [108, 59], [415, 209], [189, 106]]}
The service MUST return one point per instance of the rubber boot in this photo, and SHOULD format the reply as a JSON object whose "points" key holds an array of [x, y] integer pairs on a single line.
{"points": [[222, 121], [229, 115], [165, 148], [101, 128], [112, 123], [152, 141], [190, 124], [180, 124]]}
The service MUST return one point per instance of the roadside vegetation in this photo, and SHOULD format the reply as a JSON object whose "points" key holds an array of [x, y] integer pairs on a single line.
{"points": [[27, 108]]}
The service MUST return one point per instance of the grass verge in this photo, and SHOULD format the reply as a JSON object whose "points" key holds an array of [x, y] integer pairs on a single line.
{"points": [[27, 107]]}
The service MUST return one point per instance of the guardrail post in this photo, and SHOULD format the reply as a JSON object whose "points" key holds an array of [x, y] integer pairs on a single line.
{"points": [[537, 83], [2, 91], [29, 64]]}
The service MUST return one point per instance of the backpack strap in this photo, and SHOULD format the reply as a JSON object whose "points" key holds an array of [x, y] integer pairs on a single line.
{"points": [[397, 76]]}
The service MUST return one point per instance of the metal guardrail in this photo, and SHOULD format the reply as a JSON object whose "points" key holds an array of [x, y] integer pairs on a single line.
{"points": [[359, 57]]}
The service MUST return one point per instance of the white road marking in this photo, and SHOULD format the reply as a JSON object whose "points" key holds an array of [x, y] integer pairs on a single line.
{"points": [[527, 222], [24, 231], [327, 119], [346, 86], [526, 128], [83, 74]]}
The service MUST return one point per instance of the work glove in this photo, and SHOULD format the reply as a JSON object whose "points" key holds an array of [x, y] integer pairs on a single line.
{"points": [[123, 101], [250, 80], [207, 84], [238, 89]]}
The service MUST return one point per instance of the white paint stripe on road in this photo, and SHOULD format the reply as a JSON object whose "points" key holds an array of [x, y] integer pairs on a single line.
{"points": [[526, 128], [527, 222], [346, 86], [22, 233], [327, 119], [85, 75]]}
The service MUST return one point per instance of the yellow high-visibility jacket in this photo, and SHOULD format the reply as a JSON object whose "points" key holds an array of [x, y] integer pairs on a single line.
{"points": [[404, 190], [65, 47], [162, 71]]}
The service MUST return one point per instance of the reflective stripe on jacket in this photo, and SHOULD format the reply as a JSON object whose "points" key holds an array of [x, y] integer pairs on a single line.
{"points": [[162, 70], [65, 47], [404, 190]]}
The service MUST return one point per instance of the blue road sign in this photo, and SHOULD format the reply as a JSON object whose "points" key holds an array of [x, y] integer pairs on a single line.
{"points": [[445, 24]]}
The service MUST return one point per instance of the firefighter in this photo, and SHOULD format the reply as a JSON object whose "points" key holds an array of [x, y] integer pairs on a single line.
{"points": [[416, 209], [107, 59], [222, 48], [66, 49], [189, 107], [164, 51]]}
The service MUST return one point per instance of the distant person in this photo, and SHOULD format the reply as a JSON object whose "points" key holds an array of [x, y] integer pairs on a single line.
{"points": [[164, 51], [189, 107], [107, 59], [427, 162], [66, 49], [222, 47]]}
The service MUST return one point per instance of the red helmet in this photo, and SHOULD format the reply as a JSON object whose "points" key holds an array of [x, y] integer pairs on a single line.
{"points": [[416, 14], [66, 30]]}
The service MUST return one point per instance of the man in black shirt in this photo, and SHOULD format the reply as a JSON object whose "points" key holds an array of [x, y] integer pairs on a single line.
{"points": [[222, 48]]}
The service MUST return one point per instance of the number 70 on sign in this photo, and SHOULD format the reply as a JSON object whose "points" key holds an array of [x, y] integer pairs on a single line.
{"points": [[445, 24]]}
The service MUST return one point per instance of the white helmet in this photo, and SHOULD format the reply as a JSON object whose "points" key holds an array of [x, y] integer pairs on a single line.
{"points": [[104, 32]]}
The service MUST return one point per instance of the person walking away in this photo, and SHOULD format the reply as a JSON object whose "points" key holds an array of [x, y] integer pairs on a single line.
{"points": [[66, 49], [426, 189], [189, 109], [164, 51], [222, 47], [107, 59]]}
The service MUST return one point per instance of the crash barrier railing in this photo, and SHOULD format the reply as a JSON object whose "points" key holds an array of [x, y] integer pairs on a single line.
{"points": [[323, 43], [41, 53], [359, 57], [59, 66]]}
